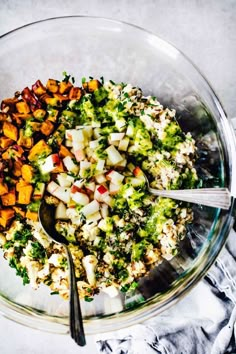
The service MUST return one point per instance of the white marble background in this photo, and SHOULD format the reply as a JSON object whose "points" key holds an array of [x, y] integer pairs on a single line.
{"points": [[205, 30]]}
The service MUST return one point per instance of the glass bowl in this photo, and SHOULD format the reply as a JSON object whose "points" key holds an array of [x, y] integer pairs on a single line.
{"points": [[86, 46]]}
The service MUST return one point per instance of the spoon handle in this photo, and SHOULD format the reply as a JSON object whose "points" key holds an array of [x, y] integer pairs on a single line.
{"points": [[76, 321], [214, 197]]}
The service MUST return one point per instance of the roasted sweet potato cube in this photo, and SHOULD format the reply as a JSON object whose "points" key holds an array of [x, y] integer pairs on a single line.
{"points": [[24, 141], [60, 97], [52, 86], [10, 131], [3, 188], [47, 128], [64, 87], [9, 198], [19, 211], [6, 155], [21, 183], [22, 107], [32, 215], [6, 215], [17, 168], [38, 149], [91, 85], [5, 142], [38, 88], [27, 173], [35, 126], [63, 152], [75, 93], [39, 114], [25, 193], [52, 101]]}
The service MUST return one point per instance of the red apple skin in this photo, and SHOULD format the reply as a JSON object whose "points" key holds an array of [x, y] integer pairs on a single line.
{"points": [[101, 189]]}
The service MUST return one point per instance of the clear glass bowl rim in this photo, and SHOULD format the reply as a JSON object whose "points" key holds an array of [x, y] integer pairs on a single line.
{"points": [[35, 319]]}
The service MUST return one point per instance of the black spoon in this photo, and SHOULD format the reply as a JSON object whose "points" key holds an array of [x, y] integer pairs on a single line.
{"points": [[47, 219]]}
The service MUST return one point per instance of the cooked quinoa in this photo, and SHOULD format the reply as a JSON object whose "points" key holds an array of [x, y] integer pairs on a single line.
{"points": [[90, 166]]}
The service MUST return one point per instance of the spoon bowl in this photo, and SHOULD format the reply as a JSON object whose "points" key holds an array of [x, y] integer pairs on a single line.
{"points": [[47, 219]]}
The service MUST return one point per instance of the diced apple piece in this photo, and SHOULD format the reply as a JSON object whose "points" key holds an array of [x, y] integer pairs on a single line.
{"points": [[100, 165], [131, 166], [39, 191], [50, 163], [62, 193], [61, 212], [52, 187], [94, 217], [114, 155], [100, 178], [90, 208], [108, 200], [130, 131], [115, 177], [93, 144], [114, 188], [84, 166], [96, 133], [77, 135], [123, 144], [122, 163], [104, 210], [90, 186], [120, 124], [70, 165], [80, 198], [68, 143], [116, 136], [79, 183], [65, 180], [100, 193], [136, 182], [79, 155]]}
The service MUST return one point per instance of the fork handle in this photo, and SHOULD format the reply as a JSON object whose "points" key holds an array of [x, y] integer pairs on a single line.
{"points": [[76, 320], [213, 197]]}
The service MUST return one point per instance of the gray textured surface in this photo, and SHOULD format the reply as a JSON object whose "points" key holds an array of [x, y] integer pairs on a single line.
{"points": [[205, 30]]}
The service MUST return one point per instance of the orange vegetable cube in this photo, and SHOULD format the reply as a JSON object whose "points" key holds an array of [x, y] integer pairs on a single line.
{"points": [[24, 196], [17, 168], [22, 107], [39, 114], [5, 142], [47, 128], [24, 141], [52, 101], [32, 215], [21, 183], [63, 152], [38, 88], [5, 216], [10, 131], [9, 198], [75, 93], [3, 188], [64, 87], [60, 97], [52, 115], [27, 173], [92, 85], [52, 86], [40, 148]]}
